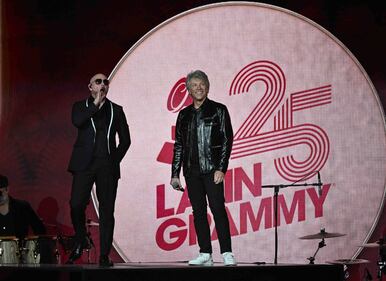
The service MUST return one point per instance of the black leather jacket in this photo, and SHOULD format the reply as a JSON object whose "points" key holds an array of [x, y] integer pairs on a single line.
{"points": [[214, 138]]}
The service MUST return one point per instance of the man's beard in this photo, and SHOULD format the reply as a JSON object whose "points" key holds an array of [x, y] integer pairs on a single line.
{"points": [[3, 200]]}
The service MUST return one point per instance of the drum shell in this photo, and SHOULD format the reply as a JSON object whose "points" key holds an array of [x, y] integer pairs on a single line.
{"points": [[40, 249], [9, 250]]}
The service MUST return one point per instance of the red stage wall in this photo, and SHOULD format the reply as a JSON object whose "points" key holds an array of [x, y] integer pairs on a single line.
{"points": [[50, 50]]}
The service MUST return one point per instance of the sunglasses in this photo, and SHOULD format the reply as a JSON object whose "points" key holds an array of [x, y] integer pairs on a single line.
{"points": [[99, 81]]}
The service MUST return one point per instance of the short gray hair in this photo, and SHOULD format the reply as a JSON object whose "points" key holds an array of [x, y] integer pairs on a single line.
{"points": [[198, 74]]}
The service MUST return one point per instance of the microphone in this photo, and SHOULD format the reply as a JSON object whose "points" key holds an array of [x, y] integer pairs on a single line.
{"points": [[319, 185], [176, 186]]}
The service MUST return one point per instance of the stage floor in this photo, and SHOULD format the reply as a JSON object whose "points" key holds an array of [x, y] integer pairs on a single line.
{"points": [[173, 271]]}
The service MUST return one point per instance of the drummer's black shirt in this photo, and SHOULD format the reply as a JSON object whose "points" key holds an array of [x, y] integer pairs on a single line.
{"points": [[20, 218], [7, 225]]}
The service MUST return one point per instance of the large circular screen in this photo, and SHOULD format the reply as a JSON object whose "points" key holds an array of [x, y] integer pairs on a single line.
{"points": [[301, 107]]}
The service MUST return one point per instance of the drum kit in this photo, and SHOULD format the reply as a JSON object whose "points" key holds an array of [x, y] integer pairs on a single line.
{"points": [[68, 242], [380, 244], [40, 249], [321, 235], [30, 250]]}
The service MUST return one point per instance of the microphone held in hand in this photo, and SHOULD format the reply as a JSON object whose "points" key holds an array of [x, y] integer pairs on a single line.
{"points": [[176, 186]]}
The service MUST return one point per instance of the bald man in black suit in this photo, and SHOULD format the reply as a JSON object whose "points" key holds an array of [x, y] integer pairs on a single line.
{"points": [[95, 159]]}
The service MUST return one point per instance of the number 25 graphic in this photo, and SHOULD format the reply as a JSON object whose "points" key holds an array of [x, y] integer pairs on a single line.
{"points": [[249, 140]]}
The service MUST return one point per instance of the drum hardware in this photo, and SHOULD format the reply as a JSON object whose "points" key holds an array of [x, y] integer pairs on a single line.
{"points": [[30, 250], [381, 244], [25, 248], [22, 251], [39, 249], [67, 242], [381, 269], [321, 235], [57, 256], [90, 243], [347, 262]]}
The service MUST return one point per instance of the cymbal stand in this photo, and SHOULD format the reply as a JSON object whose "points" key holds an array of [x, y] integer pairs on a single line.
{"points": [[382, 259], [90, 244], [381, 268], [321, 245]]}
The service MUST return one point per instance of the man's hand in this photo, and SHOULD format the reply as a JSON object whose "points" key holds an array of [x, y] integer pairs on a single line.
{"points": [[100, 98], [176, 184], [218, 177]]}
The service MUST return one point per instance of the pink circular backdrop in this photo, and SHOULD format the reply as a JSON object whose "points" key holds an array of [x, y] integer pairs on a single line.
{"points": [[299, 102]]}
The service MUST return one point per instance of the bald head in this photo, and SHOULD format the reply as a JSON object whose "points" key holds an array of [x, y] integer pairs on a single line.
{"points": [[99, 85], [98, 76]]}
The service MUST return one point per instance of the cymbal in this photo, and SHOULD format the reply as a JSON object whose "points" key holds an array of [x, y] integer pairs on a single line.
{"points": [[322, 234], [349, 261], [40, 236], [92, 223], [375, 244]]}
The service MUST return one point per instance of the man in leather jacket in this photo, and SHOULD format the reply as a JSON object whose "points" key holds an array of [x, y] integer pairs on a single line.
{"points": [[202, 148]]}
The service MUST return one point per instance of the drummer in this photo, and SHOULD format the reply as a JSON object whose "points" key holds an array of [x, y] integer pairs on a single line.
{"points": [[17, 216]]}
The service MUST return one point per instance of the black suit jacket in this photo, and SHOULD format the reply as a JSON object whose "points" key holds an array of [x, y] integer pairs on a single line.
{"points": [[82, 119]]}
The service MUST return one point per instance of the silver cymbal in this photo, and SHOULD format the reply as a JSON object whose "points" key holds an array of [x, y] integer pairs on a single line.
{"points": [[322, 234], [375, 244], [349, 261]]}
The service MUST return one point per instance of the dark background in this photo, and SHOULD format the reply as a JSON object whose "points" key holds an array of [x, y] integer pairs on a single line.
{"points": [[50, 49]]}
